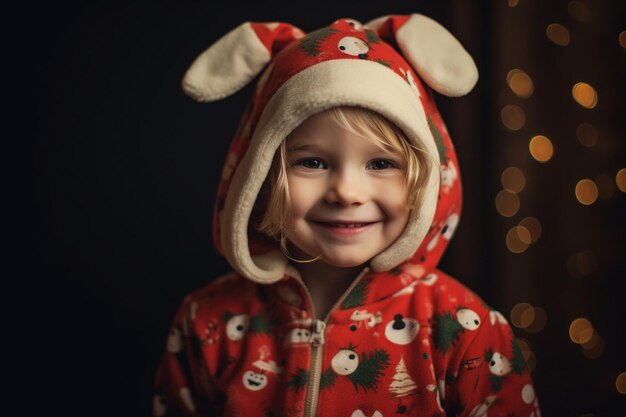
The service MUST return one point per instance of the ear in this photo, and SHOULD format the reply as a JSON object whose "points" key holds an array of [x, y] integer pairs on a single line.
{"points": [[235, 59], [435, 54]]}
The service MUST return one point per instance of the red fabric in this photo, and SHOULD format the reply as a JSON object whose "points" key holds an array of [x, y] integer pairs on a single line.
{"points": [[448, 363], [237, 348]]}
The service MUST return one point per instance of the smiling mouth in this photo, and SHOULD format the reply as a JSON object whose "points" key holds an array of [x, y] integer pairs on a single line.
{"points": [[347, 228], [346, 225]]}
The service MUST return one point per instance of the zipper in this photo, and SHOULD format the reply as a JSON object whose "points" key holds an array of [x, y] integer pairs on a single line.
{"points": [[317, 346]]}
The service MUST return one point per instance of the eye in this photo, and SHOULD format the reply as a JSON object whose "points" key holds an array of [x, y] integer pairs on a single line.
{"points": [[312, 163], [379, 164]]}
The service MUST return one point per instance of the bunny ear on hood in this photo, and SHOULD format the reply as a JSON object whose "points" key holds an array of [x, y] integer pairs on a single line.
{"points": [[235, 59], [435, 54], [343, 64]]}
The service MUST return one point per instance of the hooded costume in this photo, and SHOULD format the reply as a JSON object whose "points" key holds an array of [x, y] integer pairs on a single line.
{"points": [[404, 338]]}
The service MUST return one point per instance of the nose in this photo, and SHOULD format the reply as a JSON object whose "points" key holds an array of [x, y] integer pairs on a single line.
{"points": [[346, 188]]}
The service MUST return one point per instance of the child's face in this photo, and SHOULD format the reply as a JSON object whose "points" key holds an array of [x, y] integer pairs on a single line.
{"points": [[336, 177]]}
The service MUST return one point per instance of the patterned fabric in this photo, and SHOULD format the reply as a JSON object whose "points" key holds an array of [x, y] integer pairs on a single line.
{"points": [[407, 341], [399, 344]]}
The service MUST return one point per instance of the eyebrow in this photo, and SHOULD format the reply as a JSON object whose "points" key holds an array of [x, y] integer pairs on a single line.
{"points": [[303, 147]]}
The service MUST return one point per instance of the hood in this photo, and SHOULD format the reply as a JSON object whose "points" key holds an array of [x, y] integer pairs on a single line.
{"points": [[388, 65]]}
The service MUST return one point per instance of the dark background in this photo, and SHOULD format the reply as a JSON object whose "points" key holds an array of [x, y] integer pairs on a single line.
{"points": [[122, 170]]}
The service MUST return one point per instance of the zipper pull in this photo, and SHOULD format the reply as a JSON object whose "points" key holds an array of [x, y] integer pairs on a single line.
{"points": [[317, 333]]}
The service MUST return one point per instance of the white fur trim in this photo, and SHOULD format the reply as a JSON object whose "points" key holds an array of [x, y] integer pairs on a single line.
{"points": [[313, 90], [437, 56], [227, 65]]}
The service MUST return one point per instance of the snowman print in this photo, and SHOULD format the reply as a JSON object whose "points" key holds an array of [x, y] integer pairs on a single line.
{"points": [[353, 46], [401, 330], [237, 326]]}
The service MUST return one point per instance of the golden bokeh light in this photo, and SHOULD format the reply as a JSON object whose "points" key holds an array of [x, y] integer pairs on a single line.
{"points": [[578, 10], [558, 34], [622, 39], [582, 263], [513, 242], [523, 235], [507, 203], [606, 186], [580, 331], [586, 192], [513, 117], [620, 180], [513, 179], [513, 3], [594, 348], [540, 318], [520, 83], [516, 314], [585, 95], [541, 148], [531, 360], [533, 226], [620, 383], [522, 343], [587, 134], [527, 317]]}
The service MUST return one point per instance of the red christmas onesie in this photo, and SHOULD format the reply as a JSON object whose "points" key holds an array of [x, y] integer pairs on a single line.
{"points": [[405, 338]]}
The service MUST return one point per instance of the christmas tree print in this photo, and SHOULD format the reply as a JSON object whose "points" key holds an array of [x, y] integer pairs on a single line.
{"points": [[363, 372], [371, 36], [366, 374], [358, 295], [371, 368], [312, 42], [518, 364], [328, 378], [259, 324], [402, 384], [443, 150], [446, 329], [298, 380]]}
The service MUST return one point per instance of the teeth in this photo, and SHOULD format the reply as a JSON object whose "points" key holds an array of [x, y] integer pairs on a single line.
{"points": [[349, 226]]}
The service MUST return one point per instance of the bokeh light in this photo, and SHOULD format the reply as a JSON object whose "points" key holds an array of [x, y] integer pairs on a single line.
{"points": [[622, 39], [580, 331], [582, 263], [620, 180], [594, 347], [513, 117], [520, 83], [513, 241], [540, 318], [578, 10], [586, 192], [533, 226], [523, 234], [541, 148], [620, 383], [558, 34], [585, 95], [507, 203], [606, 186], [513, 3], [587, 134], [517, 312], [513, 179]]}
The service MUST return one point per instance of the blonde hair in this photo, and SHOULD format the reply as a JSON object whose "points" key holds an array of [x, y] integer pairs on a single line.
{"points": [[273, 205]]}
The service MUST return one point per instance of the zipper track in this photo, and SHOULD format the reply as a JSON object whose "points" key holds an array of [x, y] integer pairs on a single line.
{"points": [[317, 346]]}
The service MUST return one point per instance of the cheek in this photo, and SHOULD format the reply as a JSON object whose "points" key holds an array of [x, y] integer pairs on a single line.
{"points": [[302, 196]]}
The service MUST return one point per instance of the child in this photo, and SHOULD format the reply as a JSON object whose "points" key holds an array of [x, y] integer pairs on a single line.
{"points": [[339, 194]]}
